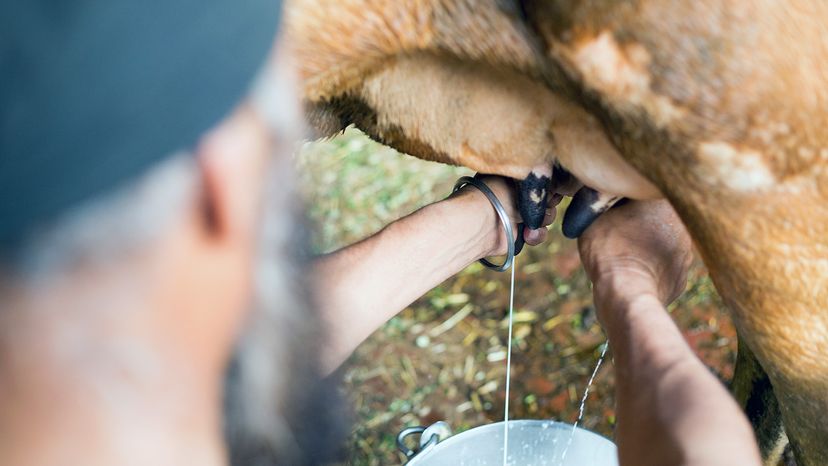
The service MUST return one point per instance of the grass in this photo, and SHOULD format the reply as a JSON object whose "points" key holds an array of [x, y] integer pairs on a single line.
{"points": [[443, 358]]}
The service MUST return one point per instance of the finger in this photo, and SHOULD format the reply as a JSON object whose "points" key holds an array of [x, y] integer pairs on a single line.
{"points": [[563, 182], [551, 213], [555, 200], [535, 237]]}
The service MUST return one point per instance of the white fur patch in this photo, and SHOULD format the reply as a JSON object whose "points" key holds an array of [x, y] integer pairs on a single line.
{"points": [[622, 73], [603, 202], [740, 170], [603, 63]]}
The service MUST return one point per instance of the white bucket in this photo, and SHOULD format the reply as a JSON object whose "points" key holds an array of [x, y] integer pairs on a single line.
{"points": [[531, 443]]}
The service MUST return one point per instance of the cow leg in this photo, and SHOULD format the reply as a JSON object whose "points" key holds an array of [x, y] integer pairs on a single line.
{"points": [[753, 391]]}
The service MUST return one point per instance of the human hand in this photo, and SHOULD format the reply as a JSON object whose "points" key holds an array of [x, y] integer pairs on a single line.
{"points": [[636, 249], [504, 189], [670, 408]]}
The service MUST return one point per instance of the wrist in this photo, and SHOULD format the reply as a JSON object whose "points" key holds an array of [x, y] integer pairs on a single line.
{"points": [[469, 220], [624, 285], [618, 295], [640, 321], [482, 222]]}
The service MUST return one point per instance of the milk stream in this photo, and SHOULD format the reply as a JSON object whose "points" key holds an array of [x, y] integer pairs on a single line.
{"points": [[509, 380], [583, 401], [508, 366]]}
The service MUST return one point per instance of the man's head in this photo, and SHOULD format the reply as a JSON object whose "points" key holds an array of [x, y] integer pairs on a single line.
{"points": [[127, 292]]}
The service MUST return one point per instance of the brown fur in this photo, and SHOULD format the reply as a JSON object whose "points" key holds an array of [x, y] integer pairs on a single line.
{"points": [[720, 105]]}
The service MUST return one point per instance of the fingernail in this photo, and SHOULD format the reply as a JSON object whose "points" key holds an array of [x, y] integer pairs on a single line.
{"points": [[532, 235]]}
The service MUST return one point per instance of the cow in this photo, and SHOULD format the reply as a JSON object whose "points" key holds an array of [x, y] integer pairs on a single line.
{"points": [[719, 107]]}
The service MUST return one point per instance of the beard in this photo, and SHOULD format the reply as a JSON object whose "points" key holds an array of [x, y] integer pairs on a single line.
{"points": [[278, 409]]}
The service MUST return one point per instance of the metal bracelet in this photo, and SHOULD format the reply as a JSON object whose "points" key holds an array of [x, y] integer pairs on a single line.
{"points": [[514, 247]]}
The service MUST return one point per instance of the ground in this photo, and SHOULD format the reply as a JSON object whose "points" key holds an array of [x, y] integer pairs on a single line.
{"points": [[444, 357]]}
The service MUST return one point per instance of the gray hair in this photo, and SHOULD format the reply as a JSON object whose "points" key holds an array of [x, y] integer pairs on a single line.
{"points": [[113, 224], [109, 226]]}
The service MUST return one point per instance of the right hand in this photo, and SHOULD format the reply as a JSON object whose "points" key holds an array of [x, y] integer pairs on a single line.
{"points": [[504, 190], [638, 248]]}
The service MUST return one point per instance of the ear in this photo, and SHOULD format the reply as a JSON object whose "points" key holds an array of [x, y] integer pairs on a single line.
{"points": [[231, 158]]}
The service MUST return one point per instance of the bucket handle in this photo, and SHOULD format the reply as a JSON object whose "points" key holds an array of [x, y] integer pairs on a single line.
{"points": [[433, 432], [416, 430]]}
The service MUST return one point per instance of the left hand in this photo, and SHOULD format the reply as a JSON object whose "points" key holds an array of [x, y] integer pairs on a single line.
{"points": [[504, 189], [639, 248]]}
